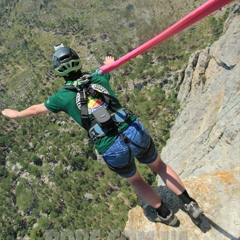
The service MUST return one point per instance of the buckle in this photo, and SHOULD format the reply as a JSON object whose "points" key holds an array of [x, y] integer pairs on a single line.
{"points": [[121, 115], [96, 131]]}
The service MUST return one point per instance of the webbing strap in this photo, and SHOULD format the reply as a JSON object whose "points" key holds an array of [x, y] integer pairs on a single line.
{"points": [[111, 101], [84, 109], [130, 165], [127, 141], [84, 89]]}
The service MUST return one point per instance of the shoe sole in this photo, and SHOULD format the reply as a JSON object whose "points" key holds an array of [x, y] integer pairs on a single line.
{"points": [[172, 223]]}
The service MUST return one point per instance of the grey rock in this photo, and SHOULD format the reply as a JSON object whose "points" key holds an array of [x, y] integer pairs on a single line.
{"points": [[204, 146], [206, 134]]}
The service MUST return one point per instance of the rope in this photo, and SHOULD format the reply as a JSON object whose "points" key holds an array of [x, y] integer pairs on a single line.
{"points": [[193, 17]]}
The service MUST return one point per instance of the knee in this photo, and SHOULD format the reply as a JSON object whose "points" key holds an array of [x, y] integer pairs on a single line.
{"points": [[136, 179], [157, 165]]}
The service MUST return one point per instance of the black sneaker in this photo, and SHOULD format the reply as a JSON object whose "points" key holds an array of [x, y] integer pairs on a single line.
{"points": [[193, 210], [170, 220]]}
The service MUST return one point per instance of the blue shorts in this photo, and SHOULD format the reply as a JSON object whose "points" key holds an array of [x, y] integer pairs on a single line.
{"points": [[118, 154]]}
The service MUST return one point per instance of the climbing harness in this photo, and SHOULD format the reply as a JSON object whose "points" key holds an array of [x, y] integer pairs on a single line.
{"points": [[104, 119]]}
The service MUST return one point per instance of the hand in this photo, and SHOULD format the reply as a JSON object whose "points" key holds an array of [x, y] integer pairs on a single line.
{"points": [[10, 113], [108, 60]]}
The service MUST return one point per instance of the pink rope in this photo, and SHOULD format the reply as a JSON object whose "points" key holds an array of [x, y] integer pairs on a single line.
{"points": [[193, 17]]}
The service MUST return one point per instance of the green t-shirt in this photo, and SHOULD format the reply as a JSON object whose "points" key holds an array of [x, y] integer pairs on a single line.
{"points": [[69, 102]]}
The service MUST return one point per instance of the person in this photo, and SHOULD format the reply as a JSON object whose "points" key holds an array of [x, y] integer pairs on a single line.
{"points": [[119, 139]]}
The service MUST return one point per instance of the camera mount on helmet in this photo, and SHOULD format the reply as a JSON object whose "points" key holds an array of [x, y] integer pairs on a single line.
{"points": [[57, 46]]}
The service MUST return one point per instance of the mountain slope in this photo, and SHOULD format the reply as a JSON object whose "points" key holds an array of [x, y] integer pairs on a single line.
{"points": [[50, 176]]}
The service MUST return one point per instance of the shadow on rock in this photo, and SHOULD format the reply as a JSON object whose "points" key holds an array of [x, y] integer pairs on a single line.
{"points": [[175, 204]]}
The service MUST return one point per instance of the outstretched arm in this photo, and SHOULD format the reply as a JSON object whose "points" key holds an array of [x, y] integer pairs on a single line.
{"points": [[34, 110]]}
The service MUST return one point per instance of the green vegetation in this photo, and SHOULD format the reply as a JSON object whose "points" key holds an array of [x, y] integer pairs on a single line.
{"points": [[50, 177]]}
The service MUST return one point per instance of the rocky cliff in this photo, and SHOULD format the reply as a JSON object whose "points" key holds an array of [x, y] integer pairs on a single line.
{"points": [[204, 147]]}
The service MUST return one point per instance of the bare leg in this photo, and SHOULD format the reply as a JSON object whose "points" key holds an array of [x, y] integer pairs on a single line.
{"points": [[149, 195], [169, 177], [144, 190]]}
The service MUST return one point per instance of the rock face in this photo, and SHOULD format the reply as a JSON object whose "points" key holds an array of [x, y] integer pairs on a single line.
{"points": [[218, 193], [205, 137], [204, 147]]}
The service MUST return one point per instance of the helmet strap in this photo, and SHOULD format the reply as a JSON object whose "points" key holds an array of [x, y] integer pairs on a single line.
{"points": [[73, 76]]}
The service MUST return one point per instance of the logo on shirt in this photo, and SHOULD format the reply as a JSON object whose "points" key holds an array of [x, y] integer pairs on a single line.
{"points": [[93, 103]]}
